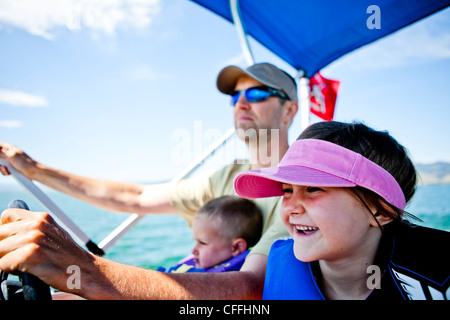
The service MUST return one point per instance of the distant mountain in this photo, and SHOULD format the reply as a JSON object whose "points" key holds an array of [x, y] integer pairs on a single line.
{"points": [[434, 173]]}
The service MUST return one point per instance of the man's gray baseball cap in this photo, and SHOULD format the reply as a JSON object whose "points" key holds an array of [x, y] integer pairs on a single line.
{"points": [[266, 73]]}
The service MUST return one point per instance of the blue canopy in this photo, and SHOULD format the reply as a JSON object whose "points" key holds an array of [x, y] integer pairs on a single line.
{"points": [[311, 34]]}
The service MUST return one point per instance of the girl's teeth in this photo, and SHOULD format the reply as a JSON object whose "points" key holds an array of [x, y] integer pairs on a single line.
{"points": [[305, 228]]}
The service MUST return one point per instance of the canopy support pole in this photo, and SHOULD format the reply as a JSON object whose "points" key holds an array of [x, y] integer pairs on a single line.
{"points": [[304, 99], [236, 14]]}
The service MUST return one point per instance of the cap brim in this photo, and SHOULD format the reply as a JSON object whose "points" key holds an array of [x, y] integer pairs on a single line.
{"points": [[228, 77], [267, 182]]}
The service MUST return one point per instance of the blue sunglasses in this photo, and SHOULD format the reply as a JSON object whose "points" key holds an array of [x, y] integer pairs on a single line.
{"points": [[257, 94]]}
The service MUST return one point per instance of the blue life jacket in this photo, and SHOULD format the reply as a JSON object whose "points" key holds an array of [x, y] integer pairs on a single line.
{"points": [[288, 278], [188, 265]]}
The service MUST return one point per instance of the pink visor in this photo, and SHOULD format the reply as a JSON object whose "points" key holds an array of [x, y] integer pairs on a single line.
{"points": [[318, 163]]}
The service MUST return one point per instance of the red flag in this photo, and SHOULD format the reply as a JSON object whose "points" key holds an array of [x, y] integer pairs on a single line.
{"points": [[323, 94]]}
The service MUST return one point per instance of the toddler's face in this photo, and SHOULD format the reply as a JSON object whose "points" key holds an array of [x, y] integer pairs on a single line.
{"points": [[210, 247]]}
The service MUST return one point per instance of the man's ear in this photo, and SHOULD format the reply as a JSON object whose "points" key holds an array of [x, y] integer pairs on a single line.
{"points": [[291, 111], [239, 245]]}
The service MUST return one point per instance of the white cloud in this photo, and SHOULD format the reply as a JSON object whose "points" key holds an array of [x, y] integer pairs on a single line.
{"points": [[19, 98], [42, 17], [11, 124]]}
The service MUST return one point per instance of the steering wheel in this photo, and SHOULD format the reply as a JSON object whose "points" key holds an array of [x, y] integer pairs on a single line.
{"points": [[30, 287]]}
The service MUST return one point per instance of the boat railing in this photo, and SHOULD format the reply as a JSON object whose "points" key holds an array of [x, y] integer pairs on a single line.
{"points": [[127, 224]]}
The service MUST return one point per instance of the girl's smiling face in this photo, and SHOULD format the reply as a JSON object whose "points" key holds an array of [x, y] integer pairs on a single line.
{"points": [[327, 223]]}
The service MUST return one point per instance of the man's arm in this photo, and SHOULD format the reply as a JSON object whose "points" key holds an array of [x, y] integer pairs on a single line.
{"points": [[106, 194], [34, 243], [111, 280]]}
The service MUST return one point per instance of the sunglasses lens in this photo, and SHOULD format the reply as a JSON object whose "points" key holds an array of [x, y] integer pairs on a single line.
{"points": [[251, 95], [256, 95], [235, 98]]}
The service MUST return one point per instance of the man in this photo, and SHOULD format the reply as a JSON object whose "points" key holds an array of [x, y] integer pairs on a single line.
{"points": [[265, 103]]}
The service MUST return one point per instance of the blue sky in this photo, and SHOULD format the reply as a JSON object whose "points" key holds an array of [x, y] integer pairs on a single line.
{"points": [[106, 89]]}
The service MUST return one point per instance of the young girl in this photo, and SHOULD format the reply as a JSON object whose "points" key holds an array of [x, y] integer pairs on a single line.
{"points": [[344, 188]]}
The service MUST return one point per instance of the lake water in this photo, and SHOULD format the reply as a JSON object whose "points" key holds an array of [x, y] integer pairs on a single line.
{"points": [[162, 240]]}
